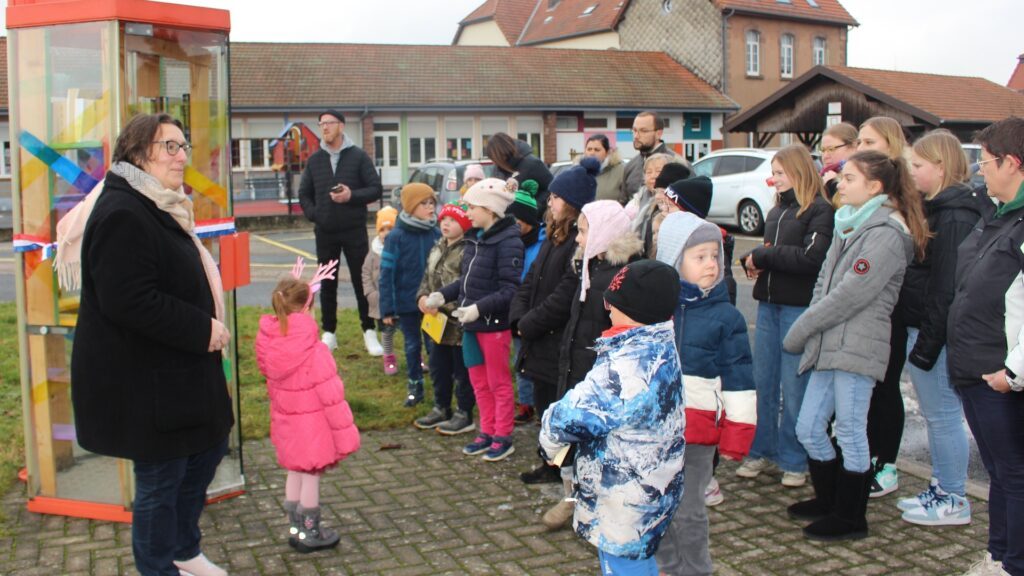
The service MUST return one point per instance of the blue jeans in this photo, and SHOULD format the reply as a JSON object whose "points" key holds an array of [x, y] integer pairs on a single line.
{"points": [[848, 396], [997, 421], [524, 385], [448, 371], [775, 373], [411, 335], [944, 415], [612, 565], [169, 498]]}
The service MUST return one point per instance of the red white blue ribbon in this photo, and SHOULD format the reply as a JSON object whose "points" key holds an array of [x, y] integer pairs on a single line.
{"points": [[214, 228], [31, 243]]}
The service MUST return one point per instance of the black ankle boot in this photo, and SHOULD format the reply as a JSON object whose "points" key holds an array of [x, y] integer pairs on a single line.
{"points": [[848, 520], [823, 480]]}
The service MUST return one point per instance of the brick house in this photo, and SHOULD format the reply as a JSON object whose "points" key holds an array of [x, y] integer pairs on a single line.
{"points": [[746, 48], [1017, 78]]}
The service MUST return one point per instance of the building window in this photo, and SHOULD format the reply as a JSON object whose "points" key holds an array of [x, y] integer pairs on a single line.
{"points": [[460, 148], [753, 53], [236, 153], [819, 51], [601, 123], [695, 124], [422, 150], [259, 154], [786, 56], [567, 123], [533, 139], [5, 159]]}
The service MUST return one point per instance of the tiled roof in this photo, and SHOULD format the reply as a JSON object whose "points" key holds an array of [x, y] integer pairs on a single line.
{"points": [[934, 99], [947, 98], [509, 15], [1017, 78], [3, 74], [570, 18], [817, 10], [380, 76]]}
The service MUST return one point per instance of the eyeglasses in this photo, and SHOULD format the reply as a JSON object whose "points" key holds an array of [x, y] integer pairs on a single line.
{"points": [[326, 124], [832, 149], [981, 163], [643, 130], [173, 146]]}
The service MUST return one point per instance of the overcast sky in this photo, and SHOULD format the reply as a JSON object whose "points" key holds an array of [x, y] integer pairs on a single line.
{"points": [[964, 38]]}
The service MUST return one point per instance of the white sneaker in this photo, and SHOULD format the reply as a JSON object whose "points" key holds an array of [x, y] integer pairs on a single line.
{"points": [[752, 467], [331, 340], [200, 566], [372, 345], [986, 567], [794, 479], [713, 493]]}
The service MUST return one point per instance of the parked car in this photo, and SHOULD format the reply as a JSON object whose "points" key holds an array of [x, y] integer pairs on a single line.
{"points": [[557, 167], [973, 152], [742, 195], [444, 176]]}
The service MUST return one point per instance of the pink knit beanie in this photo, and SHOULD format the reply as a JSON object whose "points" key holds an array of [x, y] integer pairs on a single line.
{"points": [[607, 220]]}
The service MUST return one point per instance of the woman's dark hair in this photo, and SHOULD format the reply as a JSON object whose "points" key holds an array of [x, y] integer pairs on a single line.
{"points": [[602, 139], [133, 142], [502, 150], [894, 176], [1004, 138]]}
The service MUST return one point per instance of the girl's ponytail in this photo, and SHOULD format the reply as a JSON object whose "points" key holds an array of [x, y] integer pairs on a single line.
{"points": [[894, 175], [289, 297], [908, 203]]}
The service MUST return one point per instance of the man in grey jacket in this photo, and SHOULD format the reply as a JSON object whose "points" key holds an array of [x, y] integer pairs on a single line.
{"points": [[648, 129]]}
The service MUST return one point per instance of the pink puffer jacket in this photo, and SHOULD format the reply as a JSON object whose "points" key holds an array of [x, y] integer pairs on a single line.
{"points": [[311, 424]]}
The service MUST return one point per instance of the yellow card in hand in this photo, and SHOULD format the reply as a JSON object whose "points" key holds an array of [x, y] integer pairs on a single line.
{"points": [[560, 457], [433, 325]]}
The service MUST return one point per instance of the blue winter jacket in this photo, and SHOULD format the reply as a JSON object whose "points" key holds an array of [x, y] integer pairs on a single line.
{"points": [[492, 265], [721, 404], [627, 420], [402, 265], [530, 252]]}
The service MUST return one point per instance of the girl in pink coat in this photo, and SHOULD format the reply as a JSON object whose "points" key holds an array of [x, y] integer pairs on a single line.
{"points": [[311, 424]]}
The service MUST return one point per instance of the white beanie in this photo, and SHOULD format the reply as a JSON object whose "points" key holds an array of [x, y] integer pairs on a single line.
{"points": [[492, 193]]}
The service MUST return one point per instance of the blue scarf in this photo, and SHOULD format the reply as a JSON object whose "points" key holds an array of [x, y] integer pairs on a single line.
{"points": [[849, 219]]}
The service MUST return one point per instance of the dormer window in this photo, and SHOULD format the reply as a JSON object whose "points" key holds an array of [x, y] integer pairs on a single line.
{"points": [[589, 10], [552, 4]]}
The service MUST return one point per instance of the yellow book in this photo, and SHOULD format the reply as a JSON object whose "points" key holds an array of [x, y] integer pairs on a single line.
{"points": [[434, 324]]}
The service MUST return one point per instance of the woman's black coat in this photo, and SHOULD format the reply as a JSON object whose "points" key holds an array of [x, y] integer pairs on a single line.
{"points": [[144, 386]]}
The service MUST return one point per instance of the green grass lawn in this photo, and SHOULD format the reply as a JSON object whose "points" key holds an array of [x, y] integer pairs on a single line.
{"points": [[376, 399]]}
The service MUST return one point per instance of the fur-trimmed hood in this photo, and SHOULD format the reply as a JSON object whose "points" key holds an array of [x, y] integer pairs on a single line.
{"points": [[619, 251]]}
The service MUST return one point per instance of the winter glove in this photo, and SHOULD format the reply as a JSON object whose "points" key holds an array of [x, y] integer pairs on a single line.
{"points": [[434, 300], [467, 314]]}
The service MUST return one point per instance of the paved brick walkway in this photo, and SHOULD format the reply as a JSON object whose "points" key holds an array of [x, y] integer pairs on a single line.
{"points": [[427, 509]]}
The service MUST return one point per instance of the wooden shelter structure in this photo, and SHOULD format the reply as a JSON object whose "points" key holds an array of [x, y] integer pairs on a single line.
{"points": [[920, 102]]}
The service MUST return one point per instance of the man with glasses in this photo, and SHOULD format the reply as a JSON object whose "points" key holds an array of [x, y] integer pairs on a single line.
{"points": [[337, 184], [647, 130]]}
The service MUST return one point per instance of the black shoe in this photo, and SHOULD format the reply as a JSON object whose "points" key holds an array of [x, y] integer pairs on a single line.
{"points": [[823, 480], [542, 474], [848, 520]]}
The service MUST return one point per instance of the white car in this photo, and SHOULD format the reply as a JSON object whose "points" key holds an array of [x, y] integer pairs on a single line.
{"points": [[742, 195]]}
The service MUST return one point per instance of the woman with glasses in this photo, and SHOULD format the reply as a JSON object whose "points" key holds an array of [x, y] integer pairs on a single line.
{"points": [[838, 143], [986, 342], [147, 361]]}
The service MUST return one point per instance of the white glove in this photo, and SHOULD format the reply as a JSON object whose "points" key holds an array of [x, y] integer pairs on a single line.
{"points": [[467, 314], [434, 300]]}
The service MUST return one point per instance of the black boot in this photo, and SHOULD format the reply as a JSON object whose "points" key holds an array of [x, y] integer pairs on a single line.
{"points": [[291, 507], [848, 520], [823, 479], [312, 536], [415, 396], [542, 474]]}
